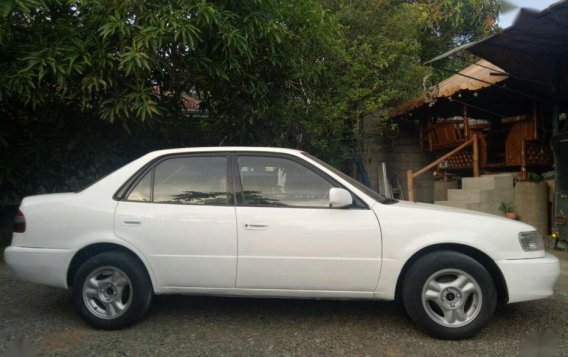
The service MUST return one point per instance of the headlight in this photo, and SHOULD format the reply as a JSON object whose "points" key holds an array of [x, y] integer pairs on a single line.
{"points": [[531, 241]]}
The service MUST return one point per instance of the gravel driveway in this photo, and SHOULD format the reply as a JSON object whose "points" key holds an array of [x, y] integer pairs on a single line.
{"points": [[42, 319]]}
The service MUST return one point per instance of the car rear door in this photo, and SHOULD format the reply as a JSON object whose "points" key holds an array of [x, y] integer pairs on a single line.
{"points": [[180, 214], [289, 238]]}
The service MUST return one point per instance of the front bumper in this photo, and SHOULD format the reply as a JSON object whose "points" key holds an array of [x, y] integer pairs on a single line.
{"points": [[530, 279], [39, 265]]}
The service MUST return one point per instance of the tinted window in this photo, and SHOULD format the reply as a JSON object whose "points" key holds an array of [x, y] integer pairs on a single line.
{"points": [[369, 192], [192, 180], [273, 181], [143, 190]]}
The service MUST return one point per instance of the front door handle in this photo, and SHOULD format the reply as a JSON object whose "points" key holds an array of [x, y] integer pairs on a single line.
{"points": [[256, 226]]}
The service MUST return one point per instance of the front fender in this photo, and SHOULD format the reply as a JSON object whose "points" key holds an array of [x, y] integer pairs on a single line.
{"points": [[408, 228]]}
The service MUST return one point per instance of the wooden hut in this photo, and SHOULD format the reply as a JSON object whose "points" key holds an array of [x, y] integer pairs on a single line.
{"points": [[482, 120]]}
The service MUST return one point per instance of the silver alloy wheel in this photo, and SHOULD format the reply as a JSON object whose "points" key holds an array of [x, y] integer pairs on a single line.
{"points": [[452, 297], [107, 292]]}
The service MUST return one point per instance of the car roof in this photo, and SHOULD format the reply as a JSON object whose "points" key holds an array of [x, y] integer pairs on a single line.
{"points": [[225, 148]]}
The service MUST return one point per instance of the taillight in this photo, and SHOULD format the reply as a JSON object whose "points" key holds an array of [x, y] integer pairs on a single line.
{"points": [[19, 222]]}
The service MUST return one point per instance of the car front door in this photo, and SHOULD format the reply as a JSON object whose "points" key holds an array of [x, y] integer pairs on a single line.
{"points": [[289, 237], [180, 214]]}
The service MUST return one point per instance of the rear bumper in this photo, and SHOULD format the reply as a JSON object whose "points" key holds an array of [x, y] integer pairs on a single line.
{"points": [[39, 265], [530, 279]]}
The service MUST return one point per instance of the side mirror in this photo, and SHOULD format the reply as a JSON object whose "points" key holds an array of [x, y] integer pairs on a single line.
{"points": [[339, 197]]}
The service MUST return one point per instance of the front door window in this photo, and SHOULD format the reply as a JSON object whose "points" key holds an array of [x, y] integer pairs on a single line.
{"points": [[281, 182]]}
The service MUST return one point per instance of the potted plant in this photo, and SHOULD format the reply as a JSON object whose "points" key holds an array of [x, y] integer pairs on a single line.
{"points": [[507, 209]]}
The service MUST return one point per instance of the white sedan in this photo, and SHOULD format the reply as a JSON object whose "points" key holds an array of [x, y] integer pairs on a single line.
{"points": [[270, 222]]}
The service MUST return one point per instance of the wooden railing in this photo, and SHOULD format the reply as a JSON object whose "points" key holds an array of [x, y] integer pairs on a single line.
{"points": [[410, 175]]}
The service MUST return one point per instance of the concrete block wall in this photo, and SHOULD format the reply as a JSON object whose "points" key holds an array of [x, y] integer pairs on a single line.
{"points": [[531, 204], [401, 152], [484, 194]]}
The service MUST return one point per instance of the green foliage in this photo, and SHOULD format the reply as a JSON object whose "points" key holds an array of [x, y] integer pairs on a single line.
{"points": [[507, 6], [111, 55], [378, 60], [450, 23], [506, 207], [534, 177], [87, 85], [98, 72]]}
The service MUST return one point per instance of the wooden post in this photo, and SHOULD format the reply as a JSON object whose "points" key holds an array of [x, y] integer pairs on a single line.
{"points": [[524, 173], [475, 156], [410, 185], [429, 130], [465, 122], [421, 134], [535, 121]]}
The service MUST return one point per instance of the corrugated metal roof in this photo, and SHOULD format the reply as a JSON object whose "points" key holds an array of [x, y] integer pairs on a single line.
{"points": [[533, 32], [535, 47], [532, 46]]}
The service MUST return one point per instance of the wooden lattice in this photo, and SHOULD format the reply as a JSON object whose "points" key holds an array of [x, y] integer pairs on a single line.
{"points": [[538, 154], [461, 160], [516, 118]]}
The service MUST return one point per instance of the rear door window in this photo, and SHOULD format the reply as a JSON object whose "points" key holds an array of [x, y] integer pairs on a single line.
{"points": [[185, 180]]}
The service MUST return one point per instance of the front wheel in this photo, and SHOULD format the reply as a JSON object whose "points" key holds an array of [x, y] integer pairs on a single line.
{"points": [[111, 290], [449, 295]]}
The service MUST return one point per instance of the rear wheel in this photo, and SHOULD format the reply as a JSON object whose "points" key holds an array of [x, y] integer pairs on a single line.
{"points": [[449, 295], [111, 290]]}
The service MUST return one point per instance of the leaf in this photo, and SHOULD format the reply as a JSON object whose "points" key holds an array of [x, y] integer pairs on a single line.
{"points": [[507, 6]]}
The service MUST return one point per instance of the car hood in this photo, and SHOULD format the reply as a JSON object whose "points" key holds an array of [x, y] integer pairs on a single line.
{"points": [[457, 215], [428, 207], [421, 225]]}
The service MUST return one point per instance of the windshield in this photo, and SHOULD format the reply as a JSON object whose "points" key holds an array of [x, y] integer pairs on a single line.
{"points": [[366, 190]]}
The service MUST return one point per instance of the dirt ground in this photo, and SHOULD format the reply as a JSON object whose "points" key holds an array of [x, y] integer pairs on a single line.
{"points": [[41, 319]]}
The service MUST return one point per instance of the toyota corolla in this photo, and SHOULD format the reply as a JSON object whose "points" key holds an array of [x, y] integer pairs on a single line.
{"points": [[270, 222]]}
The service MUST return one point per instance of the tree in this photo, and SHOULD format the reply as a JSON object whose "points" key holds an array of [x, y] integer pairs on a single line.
{"points": [[376, 62], [87, 85], [111, 55], [384, 44], [103, 64]]}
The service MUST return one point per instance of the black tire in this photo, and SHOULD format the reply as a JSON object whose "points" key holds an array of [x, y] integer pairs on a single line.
{"points": [[436, 315], [131, 292]]}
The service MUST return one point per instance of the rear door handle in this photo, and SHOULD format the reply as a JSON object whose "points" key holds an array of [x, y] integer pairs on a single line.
{"points": [[256, 226], [132, 221]]}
